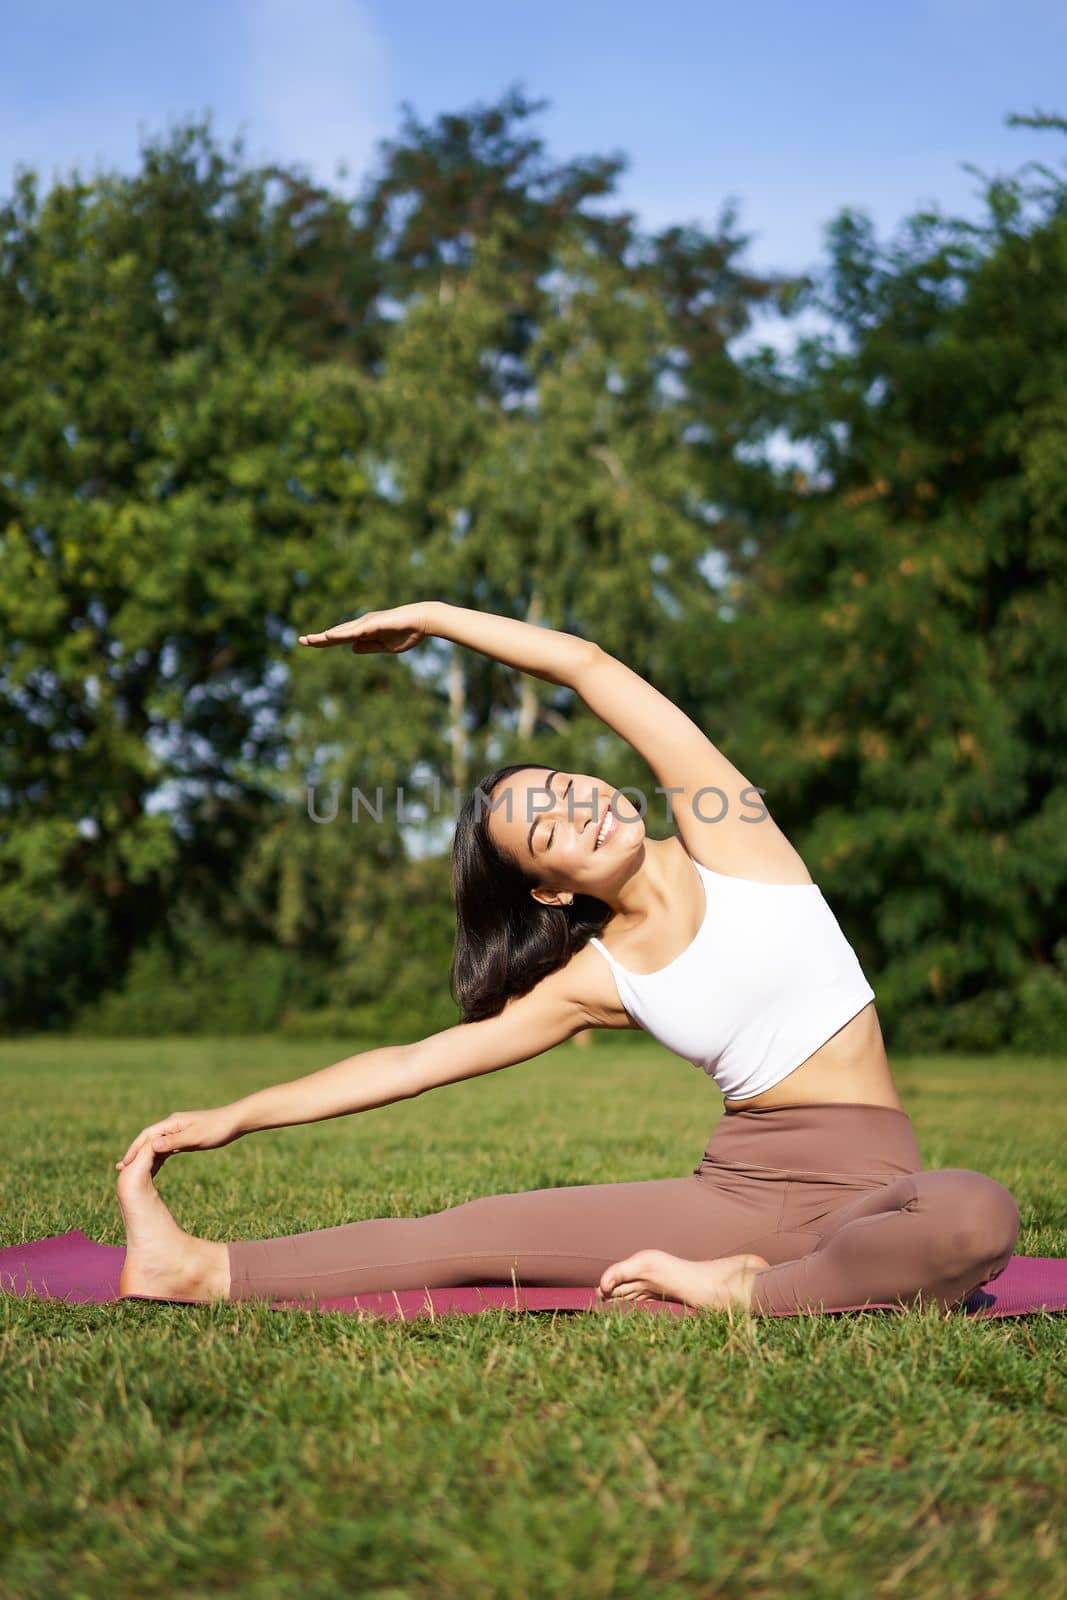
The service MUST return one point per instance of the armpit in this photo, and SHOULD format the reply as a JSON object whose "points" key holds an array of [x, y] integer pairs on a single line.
{"points": [[600, 994]]}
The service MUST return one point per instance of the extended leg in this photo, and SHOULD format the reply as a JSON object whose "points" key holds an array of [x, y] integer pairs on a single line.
{"points": [[541, 1236], [928, 1237]]}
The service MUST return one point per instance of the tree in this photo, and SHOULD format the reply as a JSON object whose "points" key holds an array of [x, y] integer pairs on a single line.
{"points": [[510, 294], [904, 619], [175, 487]]}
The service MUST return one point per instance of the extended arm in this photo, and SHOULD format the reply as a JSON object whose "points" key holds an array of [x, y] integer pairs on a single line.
{"points": [[544, 652], [527, 1026], [719, 813], [358, 1083]]}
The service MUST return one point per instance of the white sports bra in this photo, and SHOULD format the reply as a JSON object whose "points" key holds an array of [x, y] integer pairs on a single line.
{"points": [[768, 979]]}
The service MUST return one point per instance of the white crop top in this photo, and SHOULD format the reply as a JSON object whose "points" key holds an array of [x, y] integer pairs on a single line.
{"points": [[768, 979]]}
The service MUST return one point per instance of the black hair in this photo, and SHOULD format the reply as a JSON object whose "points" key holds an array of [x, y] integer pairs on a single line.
{"points": [[506, 941]]}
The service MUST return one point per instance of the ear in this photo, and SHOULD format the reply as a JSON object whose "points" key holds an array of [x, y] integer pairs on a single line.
{"points": [[557, 900]]}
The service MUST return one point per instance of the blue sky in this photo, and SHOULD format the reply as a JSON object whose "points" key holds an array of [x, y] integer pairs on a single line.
{"points": [[794, 110]]}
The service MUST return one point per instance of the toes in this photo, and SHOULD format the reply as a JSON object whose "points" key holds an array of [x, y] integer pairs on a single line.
{"points": [[630, 1289], [641, 1265], [622, 1291]]}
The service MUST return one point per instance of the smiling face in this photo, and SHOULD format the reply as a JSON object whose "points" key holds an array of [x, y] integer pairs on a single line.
{"points": [[575, 833]]}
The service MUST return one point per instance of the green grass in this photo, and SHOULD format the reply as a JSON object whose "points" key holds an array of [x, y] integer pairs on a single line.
{"points": [[165, 1450]]}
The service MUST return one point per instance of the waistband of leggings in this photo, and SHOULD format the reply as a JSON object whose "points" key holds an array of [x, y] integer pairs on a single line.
{"points": [[836, 1137]]}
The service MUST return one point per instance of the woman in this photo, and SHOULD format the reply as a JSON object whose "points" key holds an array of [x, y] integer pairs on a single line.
{"points": [[717, 942]]}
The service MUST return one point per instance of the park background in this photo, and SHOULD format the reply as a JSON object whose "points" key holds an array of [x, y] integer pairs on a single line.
{"points": [[274, 351], [776, 411]]}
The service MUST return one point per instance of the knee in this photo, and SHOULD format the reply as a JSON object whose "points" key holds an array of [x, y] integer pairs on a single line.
{"points": [[980, 1217]]}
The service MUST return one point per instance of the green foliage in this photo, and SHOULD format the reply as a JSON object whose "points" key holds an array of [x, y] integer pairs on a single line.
{"points": [[189, 977], [901, 644], [192, 976], [239, 406], [1042, 1018], [174, 484]]}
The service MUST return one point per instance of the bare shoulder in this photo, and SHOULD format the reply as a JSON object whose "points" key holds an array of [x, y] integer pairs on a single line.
{"points": [[581, 994]]}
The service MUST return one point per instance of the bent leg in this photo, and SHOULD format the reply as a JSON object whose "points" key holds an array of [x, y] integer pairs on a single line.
{"points": [[931, 1236], [564, 1236]]}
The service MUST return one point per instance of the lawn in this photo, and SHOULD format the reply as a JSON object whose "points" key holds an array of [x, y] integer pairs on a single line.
{"points": [[204, 1450]]}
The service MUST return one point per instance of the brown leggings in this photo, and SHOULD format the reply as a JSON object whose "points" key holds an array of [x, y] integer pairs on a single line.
{"points": [[833, 1196]]}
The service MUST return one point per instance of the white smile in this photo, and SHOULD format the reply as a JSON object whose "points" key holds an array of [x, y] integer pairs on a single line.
{"points": [[606, 829]]}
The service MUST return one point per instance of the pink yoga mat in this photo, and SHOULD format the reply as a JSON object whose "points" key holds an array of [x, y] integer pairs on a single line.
{"points": [[71, 1267]]}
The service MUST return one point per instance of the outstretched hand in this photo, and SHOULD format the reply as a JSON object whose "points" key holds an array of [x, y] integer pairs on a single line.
{"points": [[186, 1130], [393, 631]]}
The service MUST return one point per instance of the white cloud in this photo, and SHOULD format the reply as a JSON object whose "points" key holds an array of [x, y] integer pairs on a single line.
{"points": [[314, 84]]}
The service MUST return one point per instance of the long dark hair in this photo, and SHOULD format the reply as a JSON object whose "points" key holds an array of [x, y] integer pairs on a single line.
{"points": [[506, 941]]}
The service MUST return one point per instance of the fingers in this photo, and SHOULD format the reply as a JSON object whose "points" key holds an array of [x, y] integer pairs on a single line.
{"points": [[168, 1142], [148, 1135], [168, 1133], [338, 634], [134, 1147]]}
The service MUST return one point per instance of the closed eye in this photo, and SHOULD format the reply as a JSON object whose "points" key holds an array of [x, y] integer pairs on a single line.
{"points": [[566, 792]]}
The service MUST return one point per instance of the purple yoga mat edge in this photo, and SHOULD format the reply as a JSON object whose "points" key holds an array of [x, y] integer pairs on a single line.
{"points": [[74, 1268]]}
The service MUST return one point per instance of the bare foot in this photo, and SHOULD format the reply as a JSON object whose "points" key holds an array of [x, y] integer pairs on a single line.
{"points": [[163, 1262], [653, 1273]]}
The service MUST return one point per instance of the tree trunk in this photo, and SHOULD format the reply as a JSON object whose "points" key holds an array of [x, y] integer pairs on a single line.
{"points": [[527, 685], [457, 706]]}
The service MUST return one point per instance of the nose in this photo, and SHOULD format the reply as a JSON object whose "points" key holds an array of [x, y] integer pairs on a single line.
{"points": [[580, 805]]}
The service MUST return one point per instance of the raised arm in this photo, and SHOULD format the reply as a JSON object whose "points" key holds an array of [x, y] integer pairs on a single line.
{"points": [[720, 814], [543, 652]]}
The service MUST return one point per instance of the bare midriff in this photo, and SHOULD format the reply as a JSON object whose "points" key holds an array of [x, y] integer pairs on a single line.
{"points": [[851, 1066]]}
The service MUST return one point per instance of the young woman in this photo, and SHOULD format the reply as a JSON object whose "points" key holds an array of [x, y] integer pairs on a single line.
{"points": [[717, 942]]}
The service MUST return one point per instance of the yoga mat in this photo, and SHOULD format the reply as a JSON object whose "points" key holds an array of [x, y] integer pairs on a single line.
{"points": [[72, 1267]]}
